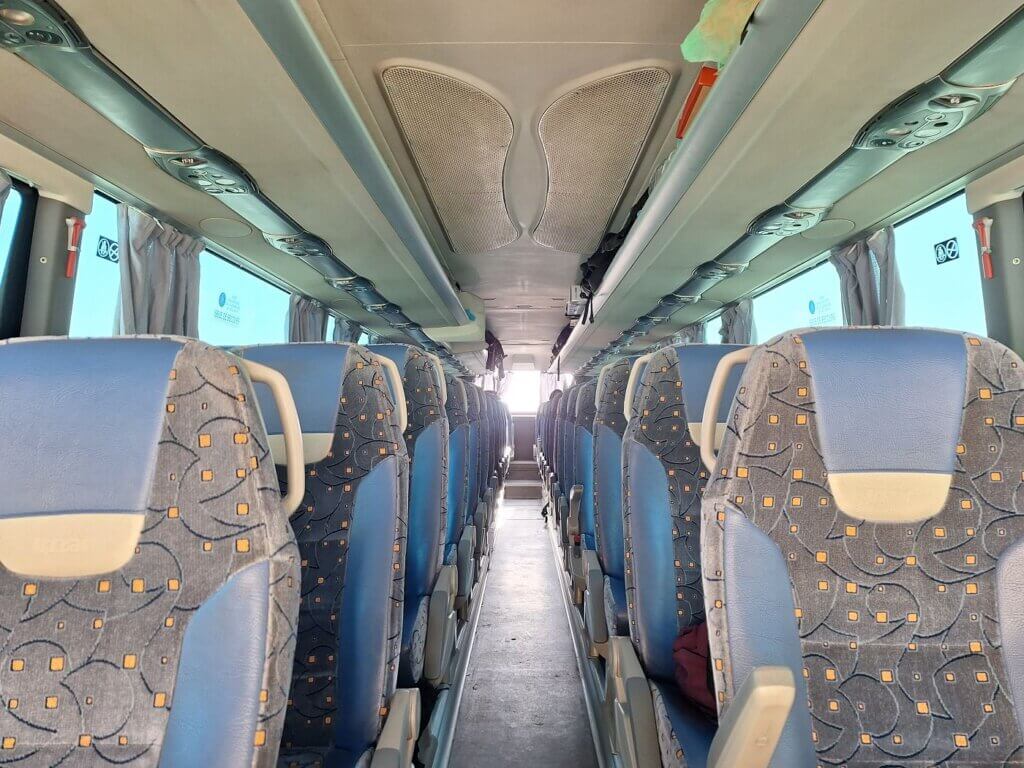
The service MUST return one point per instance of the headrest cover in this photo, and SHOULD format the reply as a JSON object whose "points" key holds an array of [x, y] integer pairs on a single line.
{"points": [[888, 404], [80, 422], [315, 374], [697, 363], [586, 408]]}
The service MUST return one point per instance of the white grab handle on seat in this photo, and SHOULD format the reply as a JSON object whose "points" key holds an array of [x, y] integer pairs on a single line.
{"points": [[440, 375], [709, 423], [634, 374], [290, 428], [397, 388]]}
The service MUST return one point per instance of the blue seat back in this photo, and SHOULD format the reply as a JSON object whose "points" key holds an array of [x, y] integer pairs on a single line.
{"points": [[141, 534], [551, 429], [583, 456], [609, 426], [351, 532], [456, 407], [875, 477], [663, 481], [474, 450]]}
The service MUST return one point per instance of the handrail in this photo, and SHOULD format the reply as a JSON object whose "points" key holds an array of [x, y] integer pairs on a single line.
{"points": [[397, 390], [290, 429], [709, 422], [634, 374]]}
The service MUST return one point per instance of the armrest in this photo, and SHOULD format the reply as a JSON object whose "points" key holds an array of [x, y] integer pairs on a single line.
{"points": [[397, 741], [629, 703], [593, 603], [575, 501], [441, 626], [750, 730]]}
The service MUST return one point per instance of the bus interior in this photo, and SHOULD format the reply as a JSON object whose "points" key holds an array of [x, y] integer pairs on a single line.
{"points": [[572, 385]]}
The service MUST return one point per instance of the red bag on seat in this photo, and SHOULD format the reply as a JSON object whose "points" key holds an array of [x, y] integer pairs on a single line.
{"points": [[692, 656]]}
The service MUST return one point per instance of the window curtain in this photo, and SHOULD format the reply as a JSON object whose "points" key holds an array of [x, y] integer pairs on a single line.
{"points": [[738, 323], [346, 330], [159, 276], [869, 280], [5, 189], [307, 319], [691, 334]]}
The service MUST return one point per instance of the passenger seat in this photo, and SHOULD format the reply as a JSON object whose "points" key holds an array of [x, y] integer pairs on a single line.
{"points": [[663, 482], [604, 603], [343, 709], [150, 577], [874, 476], [428, 629], [460, 541]]}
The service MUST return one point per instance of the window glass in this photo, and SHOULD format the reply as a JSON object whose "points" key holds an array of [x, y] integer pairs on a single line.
{"points": [[8, 223], [937, 258], [94, 306], [713, 330], [331, 323], [365, 338], [522, 391], [810, 299], [236, 307]]}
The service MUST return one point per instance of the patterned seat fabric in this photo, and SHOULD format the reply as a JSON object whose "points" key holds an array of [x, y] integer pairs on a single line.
{"points": [[583, 456], [663, 482], [426, 441], [458, 445], [474, 451], [609, 426], [152, 621], [351, 529], [899, 610]]}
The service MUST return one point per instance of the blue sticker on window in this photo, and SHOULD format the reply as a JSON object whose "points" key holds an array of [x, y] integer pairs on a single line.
{"points": [[947, 250]]}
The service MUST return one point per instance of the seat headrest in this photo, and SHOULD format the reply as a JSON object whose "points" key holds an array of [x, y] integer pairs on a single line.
{"points": [[586, 408], [888, 406], [697, 363], [315, 373], [80, 421], [611, 391]]}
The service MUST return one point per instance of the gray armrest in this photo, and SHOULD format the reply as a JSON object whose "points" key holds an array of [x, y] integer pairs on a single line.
{"points": [[593, 604], [397, 741], [465, 559], [441, 627], [751, 727], [629, 704]]}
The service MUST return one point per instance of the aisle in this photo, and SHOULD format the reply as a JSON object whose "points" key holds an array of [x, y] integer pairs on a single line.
{"points": [[523, 704]]}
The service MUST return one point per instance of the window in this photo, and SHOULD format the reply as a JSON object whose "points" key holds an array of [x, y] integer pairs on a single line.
{"points": [[331, 323], [522, 392], [94, 307], [236, 307], [8, 223], [811, 299], [937, 258], [713, 330]]}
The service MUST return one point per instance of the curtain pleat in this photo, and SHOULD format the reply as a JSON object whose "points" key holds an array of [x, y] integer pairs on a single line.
{"points": [[869, 281], [346, 330], [307, 319], [738, 323], [159, 276], [691, 334]]}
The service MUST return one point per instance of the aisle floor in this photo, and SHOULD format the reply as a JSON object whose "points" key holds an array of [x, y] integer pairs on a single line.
{"points": [[523, 702]]}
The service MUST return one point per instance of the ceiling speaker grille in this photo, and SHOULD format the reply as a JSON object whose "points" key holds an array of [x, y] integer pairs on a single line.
{"points": [[459, 138], [592, 140]]}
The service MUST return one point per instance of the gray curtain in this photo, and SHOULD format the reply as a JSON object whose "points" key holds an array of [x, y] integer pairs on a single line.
{"points": [[307, 319], [346, 330], [869, 280], [738, 323], [691, 334], [159, 276]]}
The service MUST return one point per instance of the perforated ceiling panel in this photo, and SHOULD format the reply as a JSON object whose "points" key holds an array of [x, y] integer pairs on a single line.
{"points": [[459, 137], [592, 139]]}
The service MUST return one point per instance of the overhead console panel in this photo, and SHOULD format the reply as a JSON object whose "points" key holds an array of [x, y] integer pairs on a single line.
{"points": [[459, 137], [44, 36], [592, 139]]}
